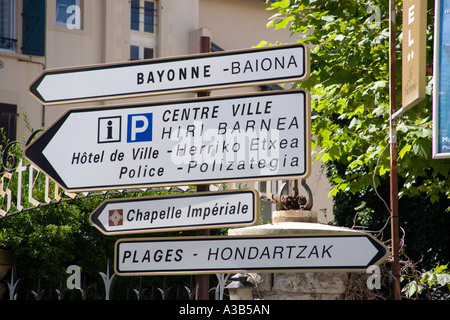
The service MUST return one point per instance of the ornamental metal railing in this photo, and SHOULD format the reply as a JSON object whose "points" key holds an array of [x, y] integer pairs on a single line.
{"points": [[8, 44], [14, 289]]}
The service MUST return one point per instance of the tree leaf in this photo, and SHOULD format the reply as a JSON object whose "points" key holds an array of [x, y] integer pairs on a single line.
{"points": [[404, 150]]}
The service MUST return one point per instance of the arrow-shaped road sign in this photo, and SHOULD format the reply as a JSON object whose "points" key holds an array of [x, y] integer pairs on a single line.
{"points": [[199, 210], [195, 255], [214, 139], [170, 75]]}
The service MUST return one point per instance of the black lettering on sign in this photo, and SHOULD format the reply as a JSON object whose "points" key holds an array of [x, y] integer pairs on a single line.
{"points": [[168, 255], [170, 75], [268, 253], [265, 64]]}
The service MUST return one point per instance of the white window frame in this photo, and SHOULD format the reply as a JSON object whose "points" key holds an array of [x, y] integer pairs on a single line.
{"points": [[13, 28], [141, 22], [141, 38]]}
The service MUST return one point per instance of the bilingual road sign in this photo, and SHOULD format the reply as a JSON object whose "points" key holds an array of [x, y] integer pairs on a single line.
{"points": [[170, 75], [259, 136], [185, 211], [195, 255]]}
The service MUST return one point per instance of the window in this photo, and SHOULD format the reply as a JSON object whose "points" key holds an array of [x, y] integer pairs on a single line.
{"points": [[7, 25], [134, 53], [149, 9], [135, 15], [148, 53], [68, 14], [143, 16], [140, 52], [143, 30]]}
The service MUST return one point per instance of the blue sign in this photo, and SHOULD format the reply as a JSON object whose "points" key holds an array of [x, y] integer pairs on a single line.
{"points": [[139, 127], [441, 96]]}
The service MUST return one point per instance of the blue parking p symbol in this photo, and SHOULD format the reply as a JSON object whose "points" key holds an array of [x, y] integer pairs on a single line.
{"points": [[140, 127]]}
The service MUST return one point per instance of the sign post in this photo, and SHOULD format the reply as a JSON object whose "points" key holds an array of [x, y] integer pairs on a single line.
{"points": [[193, 141], [393, 178], [202, 281], [202, 255], [191, 73]]}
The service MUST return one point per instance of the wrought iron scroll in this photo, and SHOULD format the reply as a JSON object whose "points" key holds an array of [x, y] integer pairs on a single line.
{"points": [[294, 200]]}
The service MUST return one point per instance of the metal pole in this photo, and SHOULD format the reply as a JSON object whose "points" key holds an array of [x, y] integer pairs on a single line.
{"points": [[393, 152], [202, 280]]}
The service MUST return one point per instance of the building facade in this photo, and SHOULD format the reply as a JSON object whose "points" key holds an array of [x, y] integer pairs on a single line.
{"points": [[45, 34]]}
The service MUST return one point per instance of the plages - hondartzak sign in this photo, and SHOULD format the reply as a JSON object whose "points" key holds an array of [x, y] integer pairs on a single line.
{"points": [[177, 212], [191, 255], [214, 139], [170, 75]]}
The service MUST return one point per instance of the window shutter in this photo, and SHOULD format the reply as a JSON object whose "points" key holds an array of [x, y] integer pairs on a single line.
{"points": [[33, 27]]}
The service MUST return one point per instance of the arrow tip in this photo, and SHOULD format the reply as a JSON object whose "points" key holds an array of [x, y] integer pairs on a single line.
{"points": [[34, 87]]}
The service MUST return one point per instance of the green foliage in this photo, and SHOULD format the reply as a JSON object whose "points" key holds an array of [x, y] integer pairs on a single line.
{"points": [[47, 240], [350, 91], [428, 282], [349, 42]]}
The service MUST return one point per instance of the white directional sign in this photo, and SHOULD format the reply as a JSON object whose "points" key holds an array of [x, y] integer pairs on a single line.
{"points": [[190, 255], [177, 212], [214, 139], [170, 75]]}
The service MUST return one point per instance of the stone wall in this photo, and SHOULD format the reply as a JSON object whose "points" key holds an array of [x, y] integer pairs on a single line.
{"points": [[299, 286]]}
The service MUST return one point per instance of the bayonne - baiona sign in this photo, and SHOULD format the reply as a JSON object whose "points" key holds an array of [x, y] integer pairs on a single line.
{"points": [[214, 139], [186, 211], [171, 75], [289, 253]]}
